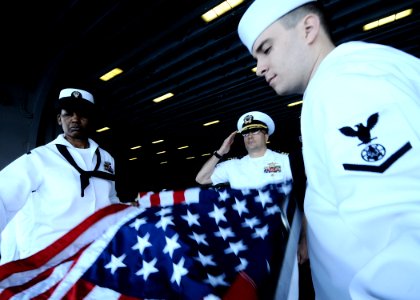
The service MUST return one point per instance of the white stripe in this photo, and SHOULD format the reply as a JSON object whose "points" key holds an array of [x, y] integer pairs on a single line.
{"points": [[102, 293], [192, 195], [39, 288], [145, 200], [91, 253], [166, 198], [87, 237]]}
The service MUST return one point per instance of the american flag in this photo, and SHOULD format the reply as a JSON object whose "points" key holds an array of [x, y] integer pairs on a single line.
{"points": [[195, 243]]}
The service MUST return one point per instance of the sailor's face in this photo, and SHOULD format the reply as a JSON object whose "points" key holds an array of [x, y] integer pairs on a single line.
{"points": [[279, 55], [74, 123]]}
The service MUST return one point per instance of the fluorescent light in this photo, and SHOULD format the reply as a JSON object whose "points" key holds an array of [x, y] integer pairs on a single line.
{"points": [[183, 147], [163, 162], [103, 129], [135, 147], [111, 74], [220, 9], [211, 123], [205, 154], [295, 103], [387, 19], [158, 141], [161, 152], [163, 97], [190, 157], [133, 158], [403, 14]]}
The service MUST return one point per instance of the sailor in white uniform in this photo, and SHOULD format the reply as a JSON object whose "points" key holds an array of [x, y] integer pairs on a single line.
{"points": [[49, 190], [361, 145]]}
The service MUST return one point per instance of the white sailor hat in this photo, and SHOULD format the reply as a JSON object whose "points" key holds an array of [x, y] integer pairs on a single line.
{"points": [[261, 14], [255, 120], [76, 94], [71, 98]]}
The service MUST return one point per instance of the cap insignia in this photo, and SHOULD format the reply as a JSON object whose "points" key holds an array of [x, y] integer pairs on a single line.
{"points": [[248, 119], [76, 94]]}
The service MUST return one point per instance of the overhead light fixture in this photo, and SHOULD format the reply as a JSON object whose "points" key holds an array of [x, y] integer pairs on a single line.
{"points": [[133, 158], [103, 129], [211, 123], [161, 152], [111, 74], [220, 9], [135, 147], [388, 19], [206, 154], [295, 103], [163, 162], [183, 147], [163, 97], [190, 157], [158, 141]]}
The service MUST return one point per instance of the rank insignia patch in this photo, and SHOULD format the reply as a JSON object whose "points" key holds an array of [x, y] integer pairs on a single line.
{"points": [[108, 167], [371, 152]]}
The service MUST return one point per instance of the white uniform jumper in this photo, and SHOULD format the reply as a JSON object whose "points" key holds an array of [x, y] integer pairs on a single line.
{"points": [[48, 188], [257, 172], [361, 146]]}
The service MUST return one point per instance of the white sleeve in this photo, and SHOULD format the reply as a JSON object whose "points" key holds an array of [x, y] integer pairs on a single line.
{"points": [[17, 181]]}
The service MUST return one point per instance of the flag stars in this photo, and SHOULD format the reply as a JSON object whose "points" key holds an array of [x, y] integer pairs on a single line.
{"points": [[225, 233], [272, 210], [260, 232], [147, 269], [115, 263], [164, 211], [240, 207], [142, 243], [218, 214], [242, 266], [246, 191], [251, 222], [164, 222], [236, 248], [223, 195], [206, 260], [263, 198], [199, 238], [171, 244], [216, 280], [179, 271], [137, 223], [191, 218]]}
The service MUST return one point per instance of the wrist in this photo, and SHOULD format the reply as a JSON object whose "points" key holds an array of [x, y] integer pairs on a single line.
{"points": [[216, 154]]}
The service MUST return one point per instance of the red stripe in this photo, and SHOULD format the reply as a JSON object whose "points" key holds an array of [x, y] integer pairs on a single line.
{"points": [[10, 292], [155, 199], [80, 290], [242, 288], [42, 257], [124, 297], [179, 196]]}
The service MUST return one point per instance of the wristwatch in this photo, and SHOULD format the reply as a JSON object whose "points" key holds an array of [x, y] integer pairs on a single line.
{"points": [[217, 155]]}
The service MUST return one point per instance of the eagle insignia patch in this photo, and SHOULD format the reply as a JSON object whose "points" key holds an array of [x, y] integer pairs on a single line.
{"points": [[371, 152]]}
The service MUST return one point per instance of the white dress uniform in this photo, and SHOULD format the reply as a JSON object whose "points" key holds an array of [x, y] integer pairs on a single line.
{"points": [[361, 145], [249, 172], [46, 191]]}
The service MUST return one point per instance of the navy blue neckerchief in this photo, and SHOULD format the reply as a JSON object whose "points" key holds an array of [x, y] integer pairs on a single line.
{"points": [[85, 175]]}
